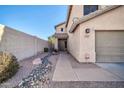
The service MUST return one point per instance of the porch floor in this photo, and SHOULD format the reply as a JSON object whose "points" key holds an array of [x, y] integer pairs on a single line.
{"points": [[67, 69]]}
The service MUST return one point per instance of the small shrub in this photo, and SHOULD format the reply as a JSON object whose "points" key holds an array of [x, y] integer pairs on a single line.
{"points": [[55, 50], [45, 49], [8, 66]]}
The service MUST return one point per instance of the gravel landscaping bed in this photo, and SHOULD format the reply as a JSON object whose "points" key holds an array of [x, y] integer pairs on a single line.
{"points": [[35, 72], [39, 77], [26, 66]]}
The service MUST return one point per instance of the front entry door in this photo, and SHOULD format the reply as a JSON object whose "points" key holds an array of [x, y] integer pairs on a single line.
{"points": [[62, 45]]}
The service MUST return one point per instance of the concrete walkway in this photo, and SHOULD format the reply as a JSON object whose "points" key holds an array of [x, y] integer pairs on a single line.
{"points": [[68, 69], [63, 70]]}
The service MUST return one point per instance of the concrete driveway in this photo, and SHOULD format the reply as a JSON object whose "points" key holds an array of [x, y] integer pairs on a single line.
{"points": [[114, 68], [68, 69]]}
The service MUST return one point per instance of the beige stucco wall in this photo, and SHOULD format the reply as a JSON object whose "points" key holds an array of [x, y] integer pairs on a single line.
{"points": [[112, 20], [73, 43], [56, 44], [82, 45], [40, 44], [20, 44], [76, 11], [58, 28]]}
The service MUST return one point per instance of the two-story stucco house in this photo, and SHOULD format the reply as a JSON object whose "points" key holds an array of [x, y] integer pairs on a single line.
{"points": [[92, 33]]}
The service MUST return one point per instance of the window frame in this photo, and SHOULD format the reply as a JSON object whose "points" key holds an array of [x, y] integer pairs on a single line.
{"points": [[90, 9], [62, 30]]}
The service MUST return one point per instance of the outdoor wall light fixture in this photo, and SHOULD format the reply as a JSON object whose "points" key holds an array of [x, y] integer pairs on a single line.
{"points": [[87, 30]]}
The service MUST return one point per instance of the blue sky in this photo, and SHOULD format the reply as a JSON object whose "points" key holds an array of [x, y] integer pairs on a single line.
{"points": [[34, 20]]}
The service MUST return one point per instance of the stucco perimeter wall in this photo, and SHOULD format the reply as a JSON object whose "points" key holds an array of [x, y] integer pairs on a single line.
{"points": [[20, 44], [40, 45], [73, 45], [112, 20]]}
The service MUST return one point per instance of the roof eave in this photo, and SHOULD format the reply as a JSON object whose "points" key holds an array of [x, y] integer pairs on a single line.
{"points": [[68, 14], [59, 24], [91, 16]]}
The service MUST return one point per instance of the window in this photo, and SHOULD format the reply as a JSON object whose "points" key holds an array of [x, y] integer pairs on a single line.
{"points": [[90, 8], [61, 29]]}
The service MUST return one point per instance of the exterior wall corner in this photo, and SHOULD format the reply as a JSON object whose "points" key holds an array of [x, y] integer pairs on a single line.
{"points": [[87, 45]]}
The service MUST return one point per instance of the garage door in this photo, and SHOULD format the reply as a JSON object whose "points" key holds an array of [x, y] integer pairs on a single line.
{"points": [[110, 46]]}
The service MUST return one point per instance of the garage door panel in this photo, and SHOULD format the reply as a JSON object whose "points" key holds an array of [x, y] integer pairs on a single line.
{"points": [[110, 50], [110, 46], [109, 38], [110, 58]]}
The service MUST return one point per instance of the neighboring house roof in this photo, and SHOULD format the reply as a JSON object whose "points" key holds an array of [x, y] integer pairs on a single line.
{"points": [[59, 24], [61, 35], [68, 14], [91, 16]]}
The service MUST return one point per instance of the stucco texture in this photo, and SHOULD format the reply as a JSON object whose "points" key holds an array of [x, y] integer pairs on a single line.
{"points": [[82, 45], [58, 28], [20, 44]]}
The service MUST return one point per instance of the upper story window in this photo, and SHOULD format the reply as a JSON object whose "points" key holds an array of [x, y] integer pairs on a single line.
{"points": [[61, 29], [90, 8]]}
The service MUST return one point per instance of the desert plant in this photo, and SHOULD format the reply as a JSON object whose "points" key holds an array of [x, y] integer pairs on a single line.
{"points": [[55, 50], [8, 66], [51, 41]]}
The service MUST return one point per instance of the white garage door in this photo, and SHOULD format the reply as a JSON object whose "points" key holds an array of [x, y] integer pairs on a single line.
{"points": [[110, 46]]}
